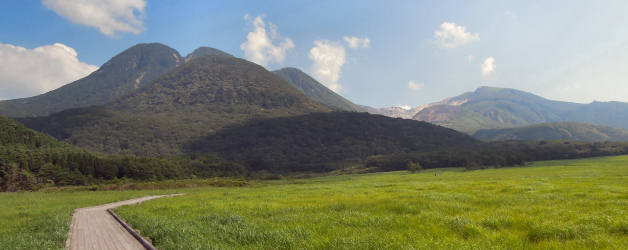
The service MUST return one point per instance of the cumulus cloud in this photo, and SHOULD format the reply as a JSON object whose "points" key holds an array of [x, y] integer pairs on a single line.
{"points": [[328, 58], [415, 86], [488, 66], [260, 46], [356, 42], [451, 35], [27, 72], [109, 17]]}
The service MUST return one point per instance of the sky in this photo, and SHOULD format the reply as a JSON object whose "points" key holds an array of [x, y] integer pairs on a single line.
{"points": [[376, 53]]}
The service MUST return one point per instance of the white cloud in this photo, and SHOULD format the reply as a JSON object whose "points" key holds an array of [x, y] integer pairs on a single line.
{"points": [[107, 16], [415, 86], [328, 60], [27, 72], [451, 35], [488, 66], [259, 46], [356, 42]]}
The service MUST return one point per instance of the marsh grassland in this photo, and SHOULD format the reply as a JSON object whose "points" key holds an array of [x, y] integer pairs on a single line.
{"points": [[38, 220], [546, 205]]}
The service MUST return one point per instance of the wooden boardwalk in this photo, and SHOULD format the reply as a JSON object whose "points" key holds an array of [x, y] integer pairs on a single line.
{"points": [[94, 228]]}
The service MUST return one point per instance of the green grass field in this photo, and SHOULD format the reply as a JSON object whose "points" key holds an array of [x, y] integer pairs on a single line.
{"points": [[37, 220], [547, 205]]}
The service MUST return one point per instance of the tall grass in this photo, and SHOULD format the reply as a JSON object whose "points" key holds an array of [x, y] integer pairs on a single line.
{"points": [[38, 220], [547, 205]]}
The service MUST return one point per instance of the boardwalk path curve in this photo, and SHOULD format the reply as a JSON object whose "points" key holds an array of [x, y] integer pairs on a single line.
{"points": [[94, 228]]}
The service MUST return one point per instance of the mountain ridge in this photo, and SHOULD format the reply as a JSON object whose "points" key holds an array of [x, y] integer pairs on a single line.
{"points": [[315, 90], [119, 76], [492, 108], [192, 100]]}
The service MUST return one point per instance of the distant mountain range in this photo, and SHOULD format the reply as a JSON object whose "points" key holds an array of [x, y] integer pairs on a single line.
{"points": [[214, 114], [148, 100], [555, 131], [213, 103], [491, 108]]}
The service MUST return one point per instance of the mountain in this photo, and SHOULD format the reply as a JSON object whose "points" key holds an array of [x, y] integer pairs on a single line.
{"points": [[320, 142], [555, 131], [315, 90], [118, 77], [491, 108], [220, 104], [394, 112], [205, 51], [195, 99]]}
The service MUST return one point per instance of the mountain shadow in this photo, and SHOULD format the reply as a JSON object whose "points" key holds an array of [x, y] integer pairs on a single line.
{"points": [[321, 142]]}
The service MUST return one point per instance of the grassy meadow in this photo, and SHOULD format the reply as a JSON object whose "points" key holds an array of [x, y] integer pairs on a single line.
{"points": [[546, 205], [40, 220]]}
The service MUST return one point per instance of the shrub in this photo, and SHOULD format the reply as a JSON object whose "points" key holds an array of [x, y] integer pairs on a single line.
{"points": [[414, 167]]}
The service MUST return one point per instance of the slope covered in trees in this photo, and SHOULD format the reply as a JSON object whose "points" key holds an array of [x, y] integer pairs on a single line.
{"points": [[194, 100], [555, 131], [322, 142], [118, 77], [32, 160], [205, 51], [315, 90]]}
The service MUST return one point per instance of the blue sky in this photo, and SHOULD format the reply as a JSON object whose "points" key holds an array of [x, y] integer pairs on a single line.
{"points": [[565, 50]]}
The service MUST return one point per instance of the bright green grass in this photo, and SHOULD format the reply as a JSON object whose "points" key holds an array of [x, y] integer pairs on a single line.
{"points": [[548, 205], [36, 220]]}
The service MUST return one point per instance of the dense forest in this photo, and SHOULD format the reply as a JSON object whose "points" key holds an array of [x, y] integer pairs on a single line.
{"points": [[30, 160], [315, 143], [573, 131], [496, 155], [322, 142]]}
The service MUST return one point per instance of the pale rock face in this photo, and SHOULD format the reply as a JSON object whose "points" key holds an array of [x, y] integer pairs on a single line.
{"points": [[409, 113], [139, 80]]}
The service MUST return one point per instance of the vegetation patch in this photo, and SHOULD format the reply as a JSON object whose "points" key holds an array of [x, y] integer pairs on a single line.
{"points": [[430, 209]]}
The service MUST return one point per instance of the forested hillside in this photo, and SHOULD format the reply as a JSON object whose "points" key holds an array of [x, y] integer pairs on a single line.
{"points": [[322, 142], [315, 90], [118, 77], [194, 100], [555, 131], [32, 160], [218, 115]]}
